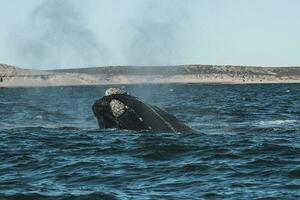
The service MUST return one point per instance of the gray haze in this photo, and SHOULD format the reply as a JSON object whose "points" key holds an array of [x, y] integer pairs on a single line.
{"points": [[156, 39], [45, 34], [56, 36]]}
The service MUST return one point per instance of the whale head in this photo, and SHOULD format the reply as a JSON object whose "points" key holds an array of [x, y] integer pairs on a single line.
{"points": [[107, 110], [117, 109]]}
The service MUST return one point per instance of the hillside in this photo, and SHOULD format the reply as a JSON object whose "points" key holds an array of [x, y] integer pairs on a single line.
{"points": [[11, 76]]}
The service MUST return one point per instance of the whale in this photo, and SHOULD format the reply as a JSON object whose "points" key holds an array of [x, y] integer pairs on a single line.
{"points": [[120, 110]]}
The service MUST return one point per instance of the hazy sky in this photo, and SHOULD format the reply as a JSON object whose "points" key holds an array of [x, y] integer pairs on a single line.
{"points": [[81, 33]]}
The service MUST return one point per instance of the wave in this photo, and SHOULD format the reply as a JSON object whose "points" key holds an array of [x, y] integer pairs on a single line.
{"points": [[277, 122], [93, 195]]}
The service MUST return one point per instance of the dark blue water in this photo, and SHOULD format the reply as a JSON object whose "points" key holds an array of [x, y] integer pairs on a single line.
{"points": [[51, 147]]}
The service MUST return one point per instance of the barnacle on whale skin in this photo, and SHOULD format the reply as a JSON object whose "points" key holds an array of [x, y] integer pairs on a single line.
{"points": [[112, 91], [117, 107]]}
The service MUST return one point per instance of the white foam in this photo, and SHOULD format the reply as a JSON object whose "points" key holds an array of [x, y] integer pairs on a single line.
{"points": [[277, 122]]}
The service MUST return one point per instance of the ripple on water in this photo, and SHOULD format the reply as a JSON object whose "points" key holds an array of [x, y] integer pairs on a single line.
{"points": [[249, 148]]}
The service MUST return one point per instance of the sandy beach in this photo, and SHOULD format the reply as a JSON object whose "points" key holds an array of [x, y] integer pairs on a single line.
{"points": [[11, 76]]}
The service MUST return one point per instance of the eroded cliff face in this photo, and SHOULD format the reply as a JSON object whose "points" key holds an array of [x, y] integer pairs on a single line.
{"points": [[11, 76], [7, 70], [11, 71]]}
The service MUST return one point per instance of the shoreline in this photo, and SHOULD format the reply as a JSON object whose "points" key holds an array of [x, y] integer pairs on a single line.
{"points": [[157, 83], [14, 77]]}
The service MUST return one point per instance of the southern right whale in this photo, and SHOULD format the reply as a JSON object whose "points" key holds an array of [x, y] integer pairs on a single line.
{"points": [[117, 109]]}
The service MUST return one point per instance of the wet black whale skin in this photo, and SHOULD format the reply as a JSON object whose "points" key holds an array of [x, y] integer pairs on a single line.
{"points": [[153, 118]]}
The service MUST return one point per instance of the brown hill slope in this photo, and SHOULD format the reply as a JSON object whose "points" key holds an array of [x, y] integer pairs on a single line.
{"points": [[11, 76]]}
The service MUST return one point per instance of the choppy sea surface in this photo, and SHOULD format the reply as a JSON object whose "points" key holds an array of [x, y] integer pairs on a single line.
{"points": [[248, 148]]}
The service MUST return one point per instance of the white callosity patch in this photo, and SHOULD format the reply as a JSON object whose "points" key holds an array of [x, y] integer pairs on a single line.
{"points": [[111, 91], [117, 108]]}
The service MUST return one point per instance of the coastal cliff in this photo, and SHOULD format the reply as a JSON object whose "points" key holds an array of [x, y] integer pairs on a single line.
{"points": [[11, 76]]}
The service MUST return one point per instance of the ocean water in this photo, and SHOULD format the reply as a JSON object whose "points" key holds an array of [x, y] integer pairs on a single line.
{"points": [[248, 148]]}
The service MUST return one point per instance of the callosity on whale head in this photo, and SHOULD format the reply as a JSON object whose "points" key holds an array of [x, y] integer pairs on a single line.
{"points": [[118, 109]]}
